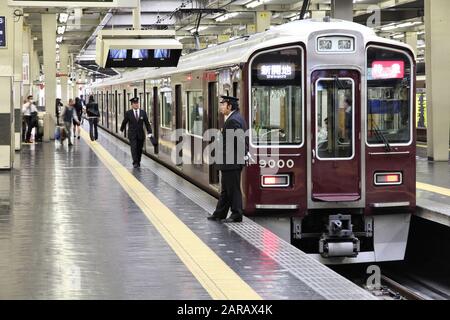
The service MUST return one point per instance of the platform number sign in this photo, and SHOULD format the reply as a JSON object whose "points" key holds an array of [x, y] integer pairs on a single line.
{"points": [[2, 32]]}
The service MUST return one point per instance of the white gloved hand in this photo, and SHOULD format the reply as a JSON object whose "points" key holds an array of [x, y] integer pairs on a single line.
{"points": [[149, 135]]}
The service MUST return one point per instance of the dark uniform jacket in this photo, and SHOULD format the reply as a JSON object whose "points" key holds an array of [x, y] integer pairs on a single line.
{"points": [[92, 109], [136, 127], [238, 146]]}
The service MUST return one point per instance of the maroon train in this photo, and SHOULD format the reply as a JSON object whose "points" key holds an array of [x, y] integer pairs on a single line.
{"points": [[331, 111]]}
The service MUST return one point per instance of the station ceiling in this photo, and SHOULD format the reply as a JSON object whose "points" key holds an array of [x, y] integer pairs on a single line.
{"points": [[219, 17]]}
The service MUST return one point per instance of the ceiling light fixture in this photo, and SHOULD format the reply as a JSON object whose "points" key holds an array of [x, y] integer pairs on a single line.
{"points": [[255, 3], [63, 17], [61, 29], [59, 39]]}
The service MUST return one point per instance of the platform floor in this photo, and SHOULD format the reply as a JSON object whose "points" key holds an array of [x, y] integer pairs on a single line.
{"points": [[433, 188], [80, 223]]}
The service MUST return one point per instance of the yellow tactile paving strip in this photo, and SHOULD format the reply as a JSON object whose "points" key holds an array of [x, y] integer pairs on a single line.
{"points": [[218, 279]]}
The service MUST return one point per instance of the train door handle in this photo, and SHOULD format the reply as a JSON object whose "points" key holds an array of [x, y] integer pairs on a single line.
{"points": [[313, 154]]}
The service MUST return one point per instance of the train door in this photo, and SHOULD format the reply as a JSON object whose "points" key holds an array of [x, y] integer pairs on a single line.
{"points": [[179, 115], [335, 136], [213, 123], [156, 116]]}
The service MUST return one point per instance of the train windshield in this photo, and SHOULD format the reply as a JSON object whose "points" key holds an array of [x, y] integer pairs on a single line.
{"points": [[389, 109], [276, 97]]}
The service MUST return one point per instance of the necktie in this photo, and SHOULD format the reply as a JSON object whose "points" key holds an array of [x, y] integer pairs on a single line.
{"points": [[136, 115]]}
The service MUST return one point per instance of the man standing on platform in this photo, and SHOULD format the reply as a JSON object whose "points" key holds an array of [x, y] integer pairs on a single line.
{"points": [[136, 118], [231, 195]]}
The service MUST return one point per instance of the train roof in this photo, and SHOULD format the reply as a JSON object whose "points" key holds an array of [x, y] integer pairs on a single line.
{"points": [[239, 50]]}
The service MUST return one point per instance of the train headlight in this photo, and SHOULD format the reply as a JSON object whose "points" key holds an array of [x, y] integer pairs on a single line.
{"points": [[388, 178], [275, 181]]}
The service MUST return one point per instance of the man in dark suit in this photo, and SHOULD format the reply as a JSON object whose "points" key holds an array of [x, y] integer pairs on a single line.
{"points": [[231, 166], [136, 118]]}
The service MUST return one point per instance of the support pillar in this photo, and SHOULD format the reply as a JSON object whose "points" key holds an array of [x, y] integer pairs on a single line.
{"points": [[18, 69], [49, 42], [27, 46], [411, 39], [263, 20], [6, 90], [437, 30], [64, 70], [342, 9]]}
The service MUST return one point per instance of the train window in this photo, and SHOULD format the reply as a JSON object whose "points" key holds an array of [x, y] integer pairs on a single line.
{"points": [[276, 97], [334, 118], [389, 105], [195, 113], [166, 108]]}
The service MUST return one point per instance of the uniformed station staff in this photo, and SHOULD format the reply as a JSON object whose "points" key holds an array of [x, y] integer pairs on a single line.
{"points": [[231, 195], [136, 118]]}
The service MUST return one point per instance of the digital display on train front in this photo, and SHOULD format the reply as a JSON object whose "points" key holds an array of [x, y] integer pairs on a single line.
{"points": [[282, 71], [135, 58]]}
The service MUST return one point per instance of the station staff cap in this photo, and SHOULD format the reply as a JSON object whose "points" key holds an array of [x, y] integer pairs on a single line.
{"points": [[134, 100], [229, 99]]}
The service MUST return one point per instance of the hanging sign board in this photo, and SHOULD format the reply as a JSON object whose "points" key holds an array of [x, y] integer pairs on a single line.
{"points": [[74, 3], [2, 32]]}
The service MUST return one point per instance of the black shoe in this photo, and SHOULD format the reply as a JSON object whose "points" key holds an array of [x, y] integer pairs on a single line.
{"points": [[78, 138], [234, 218], [70, 144], [135, 165], [214, 217]]}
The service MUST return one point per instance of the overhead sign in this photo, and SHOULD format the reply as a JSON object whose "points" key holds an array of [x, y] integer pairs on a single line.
{"points": [[335, 44], [2, 32], [74, 3], [142, 58], [388, 70], [282, 71]]}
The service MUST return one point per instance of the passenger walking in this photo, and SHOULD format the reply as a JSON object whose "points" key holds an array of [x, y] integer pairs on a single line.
{"points": [[231, 195], [136, 118], [69, 117], [58, 105], [92, 114], [29, 112], [79, 111]]}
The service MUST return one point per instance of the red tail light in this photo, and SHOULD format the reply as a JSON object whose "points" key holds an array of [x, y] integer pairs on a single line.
{"points": [[388, 178], [275, 181]]}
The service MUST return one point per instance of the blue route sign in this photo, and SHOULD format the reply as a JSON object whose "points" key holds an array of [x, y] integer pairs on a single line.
{"points": [[2, 32]]}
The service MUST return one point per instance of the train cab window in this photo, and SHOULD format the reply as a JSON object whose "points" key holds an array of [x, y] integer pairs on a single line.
{"points": [[166, 108], [334, 118], [389, 105], [195, 113], [276, 97]]}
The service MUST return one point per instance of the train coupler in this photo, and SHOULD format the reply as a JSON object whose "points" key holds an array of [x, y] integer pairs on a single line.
{"points": [[340, 240]]}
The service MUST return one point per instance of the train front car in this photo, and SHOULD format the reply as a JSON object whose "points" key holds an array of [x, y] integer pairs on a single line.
{"points": [[331, 118]]}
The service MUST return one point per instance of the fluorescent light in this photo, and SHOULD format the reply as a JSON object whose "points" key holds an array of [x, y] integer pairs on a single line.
{"points": [[226, 16], [63, 17], [59, 39], [398, 36], [389, 27], [255, 3], [61, 29], [201, 28]]}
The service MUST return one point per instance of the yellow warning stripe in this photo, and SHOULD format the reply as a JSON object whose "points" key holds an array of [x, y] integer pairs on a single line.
{"points": [[218, 279], [424, 146], [432, 188]]}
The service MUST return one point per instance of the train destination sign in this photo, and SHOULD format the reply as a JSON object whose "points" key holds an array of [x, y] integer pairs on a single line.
{"points": [[282, 71], [388, 69]]}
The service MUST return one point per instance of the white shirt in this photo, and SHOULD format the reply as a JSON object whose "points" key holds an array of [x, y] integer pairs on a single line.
{"points": [[136, 113], [226, 117], [28, 108]]}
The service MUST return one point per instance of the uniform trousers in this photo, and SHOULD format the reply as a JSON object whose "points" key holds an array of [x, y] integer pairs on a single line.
{"points": [[231, 195], [136, 149]]}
